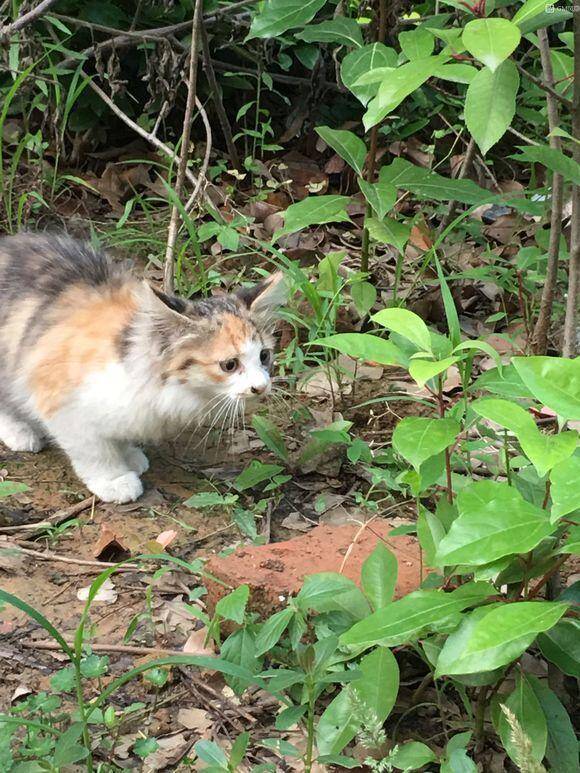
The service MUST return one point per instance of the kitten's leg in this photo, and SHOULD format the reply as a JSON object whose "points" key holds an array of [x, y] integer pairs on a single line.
{"points": [[102, 466], [18, 435], [136, 459]]}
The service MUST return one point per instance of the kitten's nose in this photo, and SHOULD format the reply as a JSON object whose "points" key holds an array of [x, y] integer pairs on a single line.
{"points": [[258, 390]]}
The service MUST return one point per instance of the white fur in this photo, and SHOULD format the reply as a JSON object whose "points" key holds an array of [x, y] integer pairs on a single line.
{"points": [[130, 401]]}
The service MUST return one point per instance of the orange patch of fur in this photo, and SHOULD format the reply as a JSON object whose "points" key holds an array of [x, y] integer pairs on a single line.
{"points": [[83, 339], [228, 341], [15, 327]]}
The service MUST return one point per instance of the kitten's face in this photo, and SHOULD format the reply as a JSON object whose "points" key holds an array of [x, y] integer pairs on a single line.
{"points": [[223, 347]]}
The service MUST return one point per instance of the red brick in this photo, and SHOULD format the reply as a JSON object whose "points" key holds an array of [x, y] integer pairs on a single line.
{"points": [[277, 570]]}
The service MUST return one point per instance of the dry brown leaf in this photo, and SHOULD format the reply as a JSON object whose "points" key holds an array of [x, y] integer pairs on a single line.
{"points": [[166, 537], [109, 545], [195, 644], [195, 719]]}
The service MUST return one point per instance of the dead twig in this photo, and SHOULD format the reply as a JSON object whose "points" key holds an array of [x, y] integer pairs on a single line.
{"points": [[168, 269], [53, 520], [126, 649], [542, 327], [46, 556], [201, 179], [26, 18]]}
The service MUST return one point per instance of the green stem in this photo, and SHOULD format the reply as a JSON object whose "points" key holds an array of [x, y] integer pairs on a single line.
{"points": [[82, 711], [309, 730], [508, 469]]}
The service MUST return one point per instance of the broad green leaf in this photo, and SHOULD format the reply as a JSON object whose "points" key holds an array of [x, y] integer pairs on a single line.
{"points": [[563, 66], [526, 707], [544, 451], [552, 159], [210, 752], [332, 592], [430, 531], [572, 543], [363, 346], [233, 606], [313, 210], [561, 646], [547, 18], [457, 73], [458, 761], [347, 145], [417, 43], [407, 324], [143, 747], [528, 10], [554, 381], [364, 60], [490, 104], [403, 621], [381, 196], [398, 85], [388, 231], [345, 32], [278, 16], [494, 521], [491, 40], [379, 576], [427, 184], [454, 646], [270, 435], [255, 473], [417, 438], [211, 499], [424, 370], [271, 631], [502, 635], [412, 756], [240, 648], [505, 382], [481, 346], [9, 487], [376, 688], [67, 750], [364, 295], [562, 748]]}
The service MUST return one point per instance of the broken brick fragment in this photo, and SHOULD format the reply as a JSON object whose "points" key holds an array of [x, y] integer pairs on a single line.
{"points": [[275, 571]]}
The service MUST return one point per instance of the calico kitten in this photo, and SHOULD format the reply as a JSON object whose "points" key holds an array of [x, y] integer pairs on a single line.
{"points": [[98, 360]]}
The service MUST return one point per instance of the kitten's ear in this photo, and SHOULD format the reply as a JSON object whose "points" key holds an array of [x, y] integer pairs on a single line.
{"points": [[264, 298], [156, 302]]}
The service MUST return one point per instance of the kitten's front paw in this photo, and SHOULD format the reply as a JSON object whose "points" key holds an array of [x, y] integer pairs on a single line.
{"points": [[136, 460], [125, 488], [22, 438]]}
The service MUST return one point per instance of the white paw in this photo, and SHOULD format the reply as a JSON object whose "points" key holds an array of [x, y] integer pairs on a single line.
{"points": [[21, 438], [136, 460], [125, 488]]}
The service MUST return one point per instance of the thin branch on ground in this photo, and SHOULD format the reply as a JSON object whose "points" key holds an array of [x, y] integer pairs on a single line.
{"points": [[26, 18], [570, 343], [126, 649], [32, 529], [218, 100], [169, 267], [542, 327]]}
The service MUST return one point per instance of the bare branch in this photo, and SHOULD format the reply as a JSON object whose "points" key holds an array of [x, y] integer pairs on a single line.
{"points": [[168, 269], [540, 335], [570, 343], [547, 88], [203, 171], [26, 18]]}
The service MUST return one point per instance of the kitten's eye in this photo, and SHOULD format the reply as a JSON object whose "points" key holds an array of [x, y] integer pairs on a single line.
{"points": [[265, 356], [231, 365]]}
